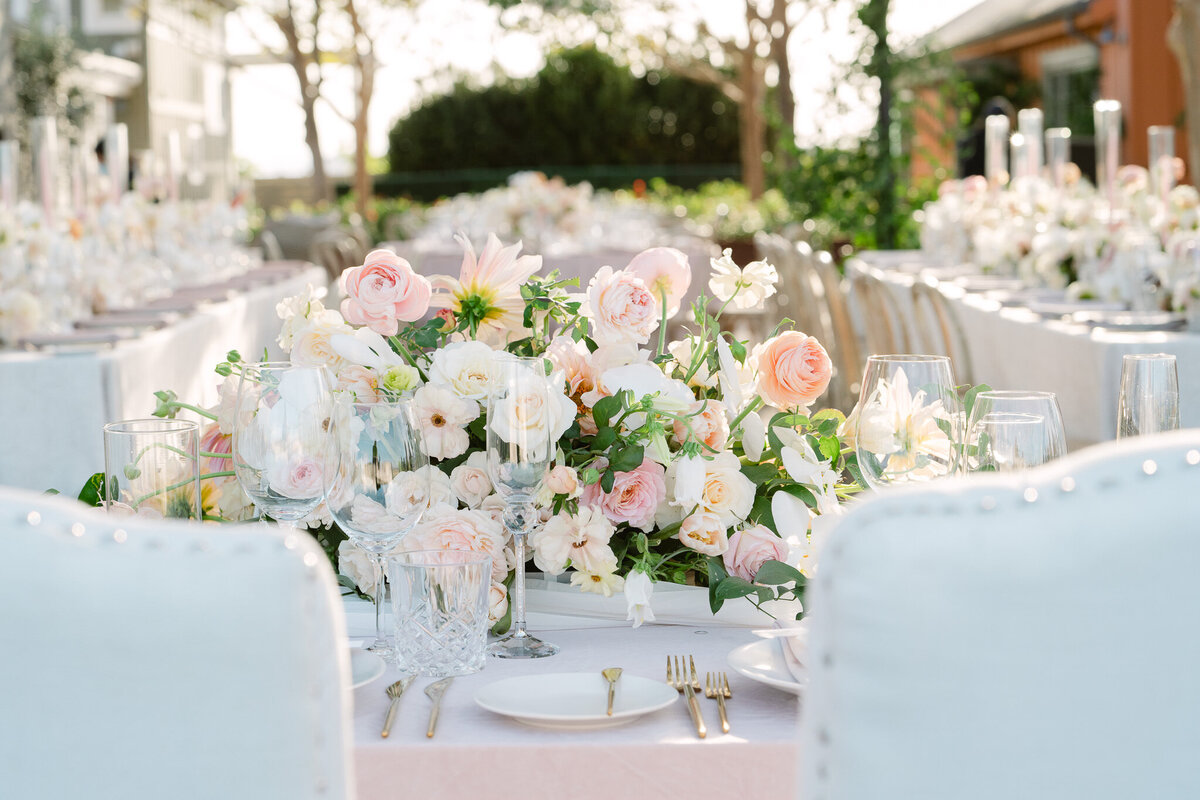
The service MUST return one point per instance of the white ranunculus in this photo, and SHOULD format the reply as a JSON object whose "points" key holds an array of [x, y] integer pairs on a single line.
{"points": [[470, 481], [638, 590], [466, 367]]}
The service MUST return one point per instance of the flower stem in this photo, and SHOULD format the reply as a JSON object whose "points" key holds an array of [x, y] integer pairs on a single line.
{"points": [[662, 325]]}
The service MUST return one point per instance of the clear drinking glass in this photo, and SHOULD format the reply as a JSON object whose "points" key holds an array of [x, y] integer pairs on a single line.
{"points": [[152, 468], [1042, 404], [520, 449], [440, 610], [1007, 442], [910, 420], [1149, 401], [378, 483], [279, 438]]}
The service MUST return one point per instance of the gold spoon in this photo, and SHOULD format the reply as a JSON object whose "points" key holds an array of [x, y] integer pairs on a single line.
{"points": [[611, 674]]}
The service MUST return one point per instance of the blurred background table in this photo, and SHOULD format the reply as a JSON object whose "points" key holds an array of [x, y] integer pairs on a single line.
{"points": [[57, 399], [1011, 347]]}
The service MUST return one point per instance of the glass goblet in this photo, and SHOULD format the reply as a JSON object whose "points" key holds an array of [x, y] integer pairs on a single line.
{"points": [[520, 447], [1041, 404], [378, 484], [279, 438], [1007, 442], [909, 420], [1149, 401]]}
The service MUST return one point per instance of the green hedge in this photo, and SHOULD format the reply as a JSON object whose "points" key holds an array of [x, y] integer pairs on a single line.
{"points": [[581, 109]]}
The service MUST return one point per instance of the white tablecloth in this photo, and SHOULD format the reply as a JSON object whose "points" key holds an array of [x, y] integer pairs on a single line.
{"points": [[55, 404], [477, 754], [1013, 348]]}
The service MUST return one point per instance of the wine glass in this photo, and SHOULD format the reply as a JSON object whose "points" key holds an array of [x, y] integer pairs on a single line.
{"points": [[1005, 441], [909, 420], [279, 438], [1149, 401], [378, 483], [520, 447], [1042, 404]]}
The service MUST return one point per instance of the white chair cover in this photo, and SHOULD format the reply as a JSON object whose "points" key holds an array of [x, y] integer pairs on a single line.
{"points": [[1013, 638], [152, 659]]}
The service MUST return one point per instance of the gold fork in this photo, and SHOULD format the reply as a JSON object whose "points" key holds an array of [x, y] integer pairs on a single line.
{"points": [[717, 686], [678, 680]]}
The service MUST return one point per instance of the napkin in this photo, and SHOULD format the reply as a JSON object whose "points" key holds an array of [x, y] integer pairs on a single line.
{"points": [[793, 647]]}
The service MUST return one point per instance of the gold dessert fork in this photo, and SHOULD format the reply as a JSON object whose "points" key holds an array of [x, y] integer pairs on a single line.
{"points": [[678, 680], [395, 691]]}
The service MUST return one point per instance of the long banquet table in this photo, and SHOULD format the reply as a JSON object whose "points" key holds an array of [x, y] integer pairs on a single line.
{"points": [[55, 402], [1014, 348], [479, 754]]}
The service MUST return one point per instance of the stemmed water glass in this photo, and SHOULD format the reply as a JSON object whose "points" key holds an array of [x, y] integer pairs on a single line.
{"points": [[1004, 441], [1039, 404], [1149, 401], [279, 438], [909, 420], [378, 484], [520, 448]]}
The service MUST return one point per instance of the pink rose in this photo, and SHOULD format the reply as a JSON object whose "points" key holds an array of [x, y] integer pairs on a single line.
{"points": [[793, 370], [750, 548], [634, 497], [621, 308], [302, 479], [709, 426], [383, 291], [704, 533], [664, 270]]}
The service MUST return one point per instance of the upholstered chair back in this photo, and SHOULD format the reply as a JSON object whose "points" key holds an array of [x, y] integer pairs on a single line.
{"points": [[156, 659], [1013, 637]]}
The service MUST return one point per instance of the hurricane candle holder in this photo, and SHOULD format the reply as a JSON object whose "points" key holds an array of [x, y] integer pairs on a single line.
{"points": [[10, 154], [1107, 116], [1029, 125], [1162, 161], [43, 146], [1058, 155], [116, 160], [995, 152]]}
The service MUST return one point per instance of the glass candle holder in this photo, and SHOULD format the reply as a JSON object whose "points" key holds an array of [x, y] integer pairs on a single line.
{"points": [[995, 152], [152, 468], [1107, 116], [1058, 155], [1029, 125]]}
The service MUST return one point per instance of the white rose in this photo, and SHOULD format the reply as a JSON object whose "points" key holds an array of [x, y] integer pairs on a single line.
{"points": [[313, 344], [355, 564], [497, 602], [424, 488], [469, 480], [535, 414], [716, 485], [466, 367]]}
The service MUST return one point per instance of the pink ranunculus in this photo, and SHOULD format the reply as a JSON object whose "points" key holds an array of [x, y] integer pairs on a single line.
{"points": [[664, 270], [709, 426], [383, 292], [622, 310], [634, 497], [793, 370], [750, 548]]}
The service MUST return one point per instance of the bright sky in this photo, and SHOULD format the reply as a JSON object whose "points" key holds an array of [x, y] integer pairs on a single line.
{"points": [[463, 36]]}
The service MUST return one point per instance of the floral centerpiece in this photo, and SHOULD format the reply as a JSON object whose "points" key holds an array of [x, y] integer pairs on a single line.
{"points": [[694, 460]]}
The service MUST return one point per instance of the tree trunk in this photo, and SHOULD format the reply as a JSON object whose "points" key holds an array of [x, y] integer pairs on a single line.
{"points": [[784, 99], [1183, 36], [751, 123], [308, 101], [364, 64], [874, 15]]}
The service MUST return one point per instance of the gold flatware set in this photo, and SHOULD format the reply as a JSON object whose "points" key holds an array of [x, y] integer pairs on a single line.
{"points": [[681, 674], [434, 691]]}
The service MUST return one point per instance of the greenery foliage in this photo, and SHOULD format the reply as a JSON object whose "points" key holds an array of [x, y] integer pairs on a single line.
{"points": [[581, 108]]}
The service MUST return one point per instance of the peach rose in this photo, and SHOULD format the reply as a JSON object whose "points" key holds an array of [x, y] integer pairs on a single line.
{"points": [[793, 370], [709, 425], [665, 271], [444, 528], [704, 533], [360, 381], [750, 548], [634, 497], [563, 480], [621, 308], [383, 292]]}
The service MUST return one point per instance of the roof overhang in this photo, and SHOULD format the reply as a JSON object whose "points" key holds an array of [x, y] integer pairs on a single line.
{"points": [[106, 75]]}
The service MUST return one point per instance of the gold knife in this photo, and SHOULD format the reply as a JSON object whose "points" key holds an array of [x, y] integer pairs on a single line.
{"points": [[694, 707], [435, 691]]}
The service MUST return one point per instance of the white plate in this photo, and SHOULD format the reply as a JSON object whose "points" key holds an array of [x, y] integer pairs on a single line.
{"points": [[763, 662], [364, 667], [1132, 320], [574, 699]]}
